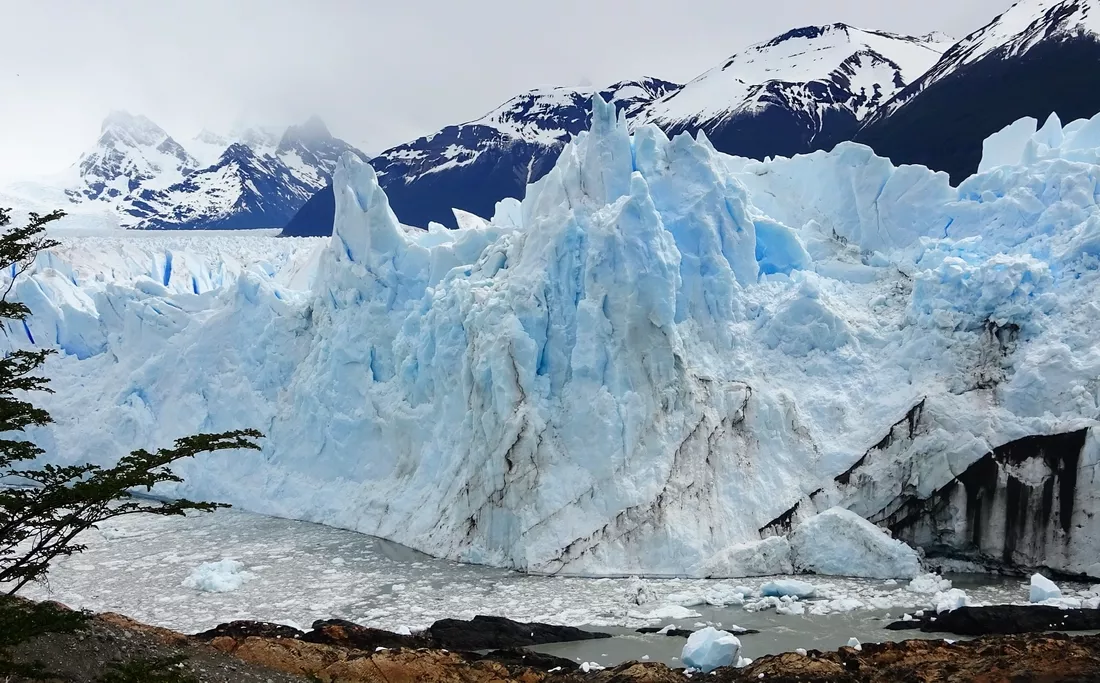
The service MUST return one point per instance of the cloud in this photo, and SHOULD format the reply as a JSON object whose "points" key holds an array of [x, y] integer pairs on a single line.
{"points": [[378, 72]]}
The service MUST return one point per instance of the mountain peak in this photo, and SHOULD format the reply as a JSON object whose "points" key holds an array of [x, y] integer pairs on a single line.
{"points": [[131, 150], [850, 68], [122, 119], [1013, 33], [238, 151], [937, 38], [806, 33], [210, 137], [310, 133]]}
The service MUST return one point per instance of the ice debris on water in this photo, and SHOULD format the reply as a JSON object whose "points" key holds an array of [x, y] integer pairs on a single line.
{"points": [[222, 576], [639, 592], [929, 583], [950, 600], [787, 587]]}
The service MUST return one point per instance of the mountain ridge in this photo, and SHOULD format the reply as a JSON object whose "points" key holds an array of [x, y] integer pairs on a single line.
{"points": [[1038, 57]]}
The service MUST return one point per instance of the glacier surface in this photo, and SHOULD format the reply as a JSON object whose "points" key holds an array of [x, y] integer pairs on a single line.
{"points": [[636, 370]]}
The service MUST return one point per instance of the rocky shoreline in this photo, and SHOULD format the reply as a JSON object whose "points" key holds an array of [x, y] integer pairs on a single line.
{"points": [[336, 651]]}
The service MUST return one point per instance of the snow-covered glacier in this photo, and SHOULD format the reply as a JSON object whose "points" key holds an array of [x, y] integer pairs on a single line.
{"points": [[662, 354]]}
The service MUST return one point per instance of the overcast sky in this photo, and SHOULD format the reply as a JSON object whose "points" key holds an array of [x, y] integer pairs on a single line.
{"points": [[379, 72]]}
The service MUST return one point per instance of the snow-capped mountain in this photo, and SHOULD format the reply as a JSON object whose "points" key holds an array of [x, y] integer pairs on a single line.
{"points": [[251, 178], [804, 90], [207, 146], [311, 152], [472, 166], [1039, 57], [242, 190], [131, 152], [807, 89], [254, 184]]}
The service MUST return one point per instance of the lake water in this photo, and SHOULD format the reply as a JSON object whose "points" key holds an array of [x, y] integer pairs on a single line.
{"points": [[297, 573]]}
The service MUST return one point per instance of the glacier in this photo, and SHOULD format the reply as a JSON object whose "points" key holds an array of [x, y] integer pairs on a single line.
{"points": [[639, 369]]}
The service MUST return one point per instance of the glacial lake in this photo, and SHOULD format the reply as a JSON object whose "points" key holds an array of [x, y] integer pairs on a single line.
{"points": [[295, 573]]}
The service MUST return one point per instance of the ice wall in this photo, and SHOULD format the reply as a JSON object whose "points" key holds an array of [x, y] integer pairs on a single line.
{"points": [[655, 355]]}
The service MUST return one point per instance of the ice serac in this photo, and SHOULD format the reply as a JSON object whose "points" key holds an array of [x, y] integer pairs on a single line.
{"points": [[660, 356], [549, 354]]}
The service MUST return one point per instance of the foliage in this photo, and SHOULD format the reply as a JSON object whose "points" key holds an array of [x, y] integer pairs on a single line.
{"points": [[43, 510]]}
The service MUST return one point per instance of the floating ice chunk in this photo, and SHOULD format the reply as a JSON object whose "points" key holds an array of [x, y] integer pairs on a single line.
{"points": [[766, 557], [838, 542], [791, 587], [800, 651], [950, 600], [721, 595], [791, 609], [929, 584], [672, 612], [710, 649], [1043, 588], [853, 643], [686, 599], [218, 577]]}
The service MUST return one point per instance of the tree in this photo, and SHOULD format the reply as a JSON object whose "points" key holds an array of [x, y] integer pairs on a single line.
{"points": [[43, 510]]}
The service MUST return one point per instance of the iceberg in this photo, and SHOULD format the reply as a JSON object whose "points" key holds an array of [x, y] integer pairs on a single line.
{"points": [[839, 542], [709, 649], [636, 370], [1043, 589], [788, 587]]}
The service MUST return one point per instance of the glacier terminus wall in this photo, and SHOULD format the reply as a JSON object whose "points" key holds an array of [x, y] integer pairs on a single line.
{"points": [[656, 355]]}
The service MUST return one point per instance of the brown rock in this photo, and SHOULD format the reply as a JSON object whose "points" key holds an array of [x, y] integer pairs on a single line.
{"points": [[282, 654], [126, 623], [350, 635], [986, 660]]}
